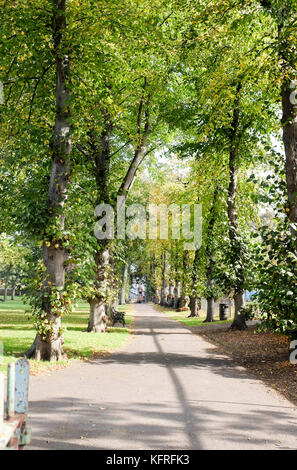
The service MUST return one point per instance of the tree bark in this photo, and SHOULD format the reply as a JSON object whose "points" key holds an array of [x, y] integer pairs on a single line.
{"points": [[234, 236], [183, 300], [210, 310], [164, 283], [154, 279], [5, 292], [284, 14], [289, 121], [101, 155], [49, 345], [176, 294], [210, 261], [113, 286], [13, 290], [142, 136], [124, 284], [239, 320], [31, 352], [100, 152], [98, 316], [195, 303], [170, 297]]}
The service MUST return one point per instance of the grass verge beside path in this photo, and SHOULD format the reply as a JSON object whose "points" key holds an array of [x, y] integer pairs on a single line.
{"points": [[182, 317], [17, 334]]}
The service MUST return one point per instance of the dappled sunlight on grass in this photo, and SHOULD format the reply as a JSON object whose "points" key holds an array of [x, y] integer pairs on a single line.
{"points": [[17, 334], [182, 317]]}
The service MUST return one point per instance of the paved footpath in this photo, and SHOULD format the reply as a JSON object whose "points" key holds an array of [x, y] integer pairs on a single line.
{"points": [[168, 389]]}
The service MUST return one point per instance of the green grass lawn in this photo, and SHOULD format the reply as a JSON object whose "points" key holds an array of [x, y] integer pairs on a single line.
{"points": [[17, 334], [182, 317]]}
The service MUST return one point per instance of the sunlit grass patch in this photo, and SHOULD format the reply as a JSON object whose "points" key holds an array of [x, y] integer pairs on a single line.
{"points": [[182, 317], [17, 334]]}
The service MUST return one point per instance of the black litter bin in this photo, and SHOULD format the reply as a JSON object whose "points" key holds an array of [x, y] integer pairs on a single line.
{"points": [[224, 311]]}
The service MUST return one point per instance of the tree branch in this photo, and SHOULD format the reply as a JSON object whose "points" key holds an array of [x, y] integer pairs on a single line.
{"points": [[165, 19], [123, 146], [35, 89]]}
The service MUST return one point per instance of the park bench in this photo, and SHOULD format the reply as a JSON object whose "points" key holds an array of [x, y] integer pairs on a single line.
{"points": [[117, 317], [14, 432]]}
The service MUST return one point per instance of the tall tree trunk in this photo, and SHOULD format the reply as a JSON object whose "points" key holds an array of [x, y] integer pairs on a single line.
{"points": [[183, 300], [170, 298], [6, 284], [176, 294], [98, 316], [164, 283], [5, 292], [154, 279], [113, 287], [195, 304], [195, 301], [283, 14], [210, 309], [124, 284], [100, 150], [176, 290], [49, 343], [210, 261], [237, 257], [143, 131], [13, 290], [289, 121]]}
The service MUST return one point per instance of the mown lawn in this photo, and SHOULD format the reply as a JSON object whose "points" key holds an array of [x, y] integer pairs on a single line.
{"points": [[182, 317], [17, 334]]}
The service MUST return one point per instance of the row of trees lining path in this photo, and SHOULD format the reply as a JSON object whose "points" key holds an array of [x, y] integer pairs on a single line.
{"points": [[94, 95]]}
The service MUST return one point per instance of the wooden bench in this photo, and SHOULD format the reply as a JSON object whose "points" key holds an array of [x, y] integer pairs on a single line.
{"points": [[14, 432]]}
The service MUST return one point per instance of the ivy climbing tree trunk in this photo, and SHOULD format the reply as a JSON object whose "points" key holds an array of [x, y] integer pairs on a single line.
{"points": [[289, 117], [100, 154], [289, 121], [210, 261], [154, 280], [170, 294], [98, 317], [176, 294], [283, 14], [237, 256], [49, 339], [195, 300]]}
